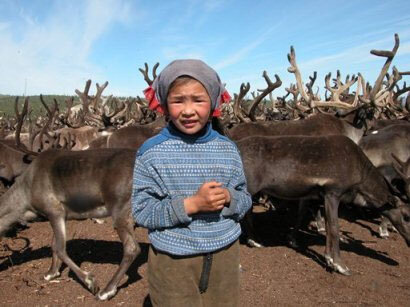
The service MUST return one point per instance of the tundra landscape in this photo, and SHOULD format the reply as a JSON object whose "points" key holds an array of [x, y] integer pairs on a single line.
{"points": [[328, 169]]}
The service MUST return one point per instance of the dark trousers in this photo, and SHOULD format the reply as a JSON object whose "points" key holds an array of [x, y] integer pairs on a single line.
{"points": [[173, 280]]}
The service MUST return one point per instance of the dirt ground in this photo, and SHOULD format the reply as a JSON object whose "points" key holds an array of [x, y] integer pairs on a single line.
{"points": [[274, 275]]}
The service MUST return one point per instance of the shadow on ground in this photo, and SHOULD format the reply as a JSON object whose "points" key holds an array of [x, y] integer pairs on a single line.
{"points": [[273, 227]]}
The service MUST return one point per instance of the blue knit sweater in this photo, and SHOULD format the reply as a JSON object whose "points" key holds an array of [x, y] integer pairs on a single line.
{"points": [[172, 166]]}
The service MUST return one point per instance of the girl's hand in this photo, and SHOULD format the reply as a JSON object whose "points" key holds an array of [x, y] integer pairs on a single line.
{"points": [[209, 197]]}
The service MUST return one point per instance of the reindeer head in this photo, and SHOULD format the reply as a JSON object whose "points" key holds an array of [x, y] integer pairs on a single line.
{"points": [[403, 170], [399, 215]]}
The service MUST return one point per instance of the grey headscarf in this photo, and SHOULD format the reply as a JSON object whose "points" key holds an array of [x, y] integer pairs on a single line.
{"points": [[195, 69]]}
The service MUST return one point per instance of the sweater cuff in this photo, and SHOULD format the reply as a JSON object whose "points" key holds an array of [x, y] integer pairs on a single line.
{"points": [[179, 215], [232, 209]]}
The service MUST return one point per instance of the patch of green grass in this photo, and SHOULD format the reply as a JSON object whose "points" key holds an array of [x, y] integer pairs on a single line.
{"points": [[7, 104]]}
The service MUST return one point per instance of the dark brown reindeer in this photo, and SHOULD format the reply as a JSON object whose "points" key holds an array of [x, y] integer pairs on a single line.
{"points": [[353, 125], [318, 124], [60, 185], [384, 148], [325, 168]]}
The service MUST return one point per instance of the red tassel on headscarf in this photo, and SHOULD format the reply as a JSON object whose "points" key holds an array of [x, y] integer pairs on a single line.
{"points": [[153, 103], [225, 98]]}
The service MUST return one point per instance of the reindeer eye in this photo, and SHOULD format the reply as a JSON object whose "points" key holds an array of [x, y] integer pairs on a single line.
{"points": [[406, 218]]}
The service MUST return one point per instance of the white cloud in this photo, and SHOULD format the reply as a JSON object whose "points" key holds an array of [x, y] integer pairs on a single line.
{"points": [[244, 51], [29, 20], [352, 56], [53, 56], [4, 26]]}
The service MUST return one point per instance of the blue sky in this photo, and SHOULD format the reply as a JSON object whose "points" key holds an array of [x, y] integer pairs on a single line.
{"points": [[53, 47]]}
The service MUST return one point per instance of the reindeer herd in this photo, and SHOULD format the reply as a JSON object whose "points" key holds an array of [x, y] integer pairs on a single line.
{"points": [[351, 147]]}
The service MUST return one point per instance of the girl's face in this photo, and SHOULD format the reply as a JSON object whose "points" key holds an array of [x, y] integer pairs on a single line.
{"points": [[189, 106]]}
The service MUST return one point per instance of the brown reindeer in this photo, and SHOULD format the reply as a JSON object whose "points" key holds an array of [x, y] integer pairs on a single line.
{"points": [[60, 185], [325, 168]]}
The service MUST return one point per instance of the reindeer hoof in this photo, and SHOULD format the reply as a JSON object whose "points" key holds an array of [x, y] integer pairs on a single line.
{"points": [[383, 233], [329, 261], [292, 242], [344, 240], [253, 243], [50, 276], [342, 269], [106, 295], [91, 283], [321, 229], [320, 226], [98, 221]]}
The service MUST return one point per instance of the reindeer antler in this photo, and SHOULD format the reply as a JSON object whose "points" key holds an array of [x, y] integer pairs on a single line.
{"points": [[271, 86], [20, 120], [336, 91], [98, 94], [379, 81], [295, 70], [238, 98], [145, 73]]}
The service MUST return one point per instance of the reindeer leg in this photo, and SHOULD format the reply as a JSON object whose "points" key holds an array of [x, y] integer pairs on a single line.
{"points": [[332, 253], [249, 230], [58, 224], [125, 231], [56, 262], [328, 250], [302, 208]]}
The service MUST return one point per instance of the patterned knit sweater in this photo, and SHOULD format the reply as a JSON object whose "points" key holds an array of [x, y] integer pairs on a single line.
{"points": [[172, 166]]}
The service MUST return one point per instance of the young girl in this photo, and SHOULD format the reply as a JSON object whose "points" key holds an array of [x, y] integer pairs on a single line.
{"points": [[189, 190]]}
